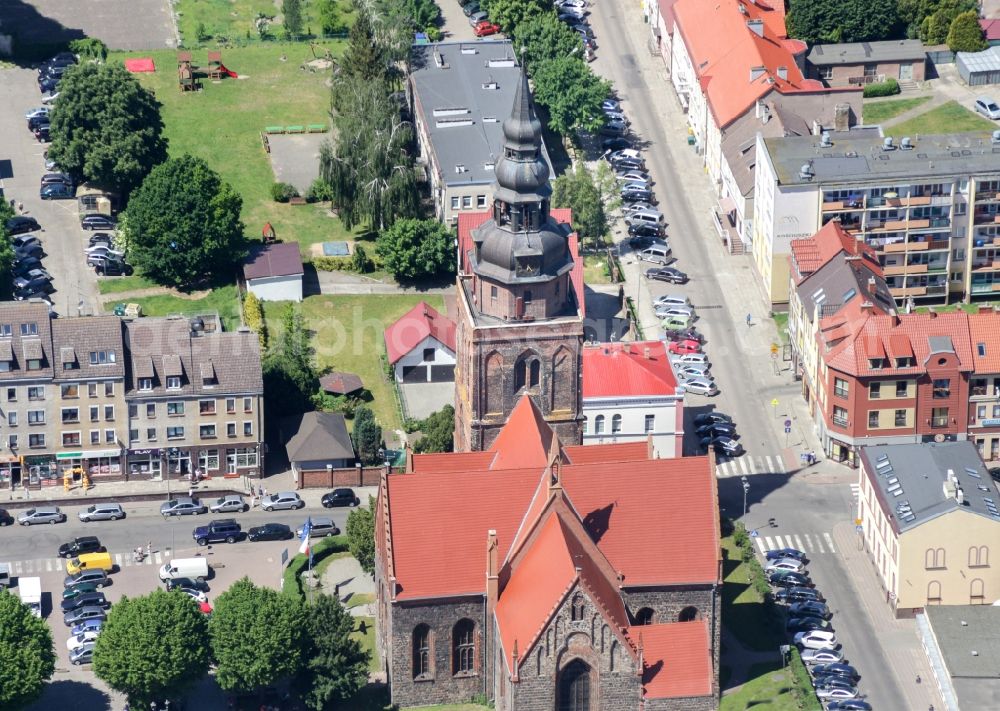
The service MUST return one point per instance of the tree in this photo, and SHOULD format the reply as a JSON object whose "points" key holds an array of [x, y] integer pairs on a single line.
{"points": [[258, 636], [966, 34], [6, 250], [153, 646], [361, 535], [364, 57], [290, 379], [292, 13], [917, 15], [415, 249], [607, 186], [106, 127], [27, 658], [934, 28], [843, 20], [438, 432], [336, 666], [331, 19], [184, 223], [545, 37], [367, 436], [576, 190], [571, 93], [509, 14], [253, 318], [90, 48]]}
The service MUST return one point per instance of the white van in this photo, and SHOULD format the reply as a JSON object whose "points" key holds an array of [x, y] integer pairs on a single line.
{"points": [[653, 218], [658, 254], [196, 568]]}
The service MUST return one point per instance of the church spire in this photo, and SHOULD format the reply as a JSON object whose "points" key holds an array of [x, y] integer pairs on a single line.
{"points": [[522, 173]]}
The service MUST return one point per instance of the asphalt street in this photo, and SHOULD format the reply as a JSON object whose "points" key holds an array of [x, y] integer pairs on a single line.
{"points": [[805, 504]]}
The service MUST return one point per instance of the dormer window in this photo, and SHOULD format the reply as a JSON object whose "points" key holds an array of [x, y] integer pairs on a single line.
{"points": [[173, 382], [528, 266], [906, 362], [102, 357], [876, 363], [145, 383]]}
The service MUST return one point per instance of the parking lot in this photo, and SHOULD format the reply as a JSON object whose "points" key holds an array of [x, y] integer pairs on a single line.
{"points": [[121, 24], [61, 236]]}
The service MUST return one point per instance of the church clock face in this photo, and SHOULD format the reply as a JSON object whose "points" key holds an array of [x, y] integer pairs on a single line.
{"points": [[527, 267]]}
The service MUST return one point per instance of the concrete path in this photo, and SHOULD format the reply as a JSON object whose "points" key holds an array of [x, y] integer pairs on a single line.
{"points": [[936, 101], [345, 577], [347, 283]]}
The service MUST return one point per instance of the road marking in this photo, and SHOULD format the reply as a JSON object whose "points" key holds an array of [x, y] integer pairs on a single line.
{"points": [[48, 564], [118, 559], [158, 559], [770, 464], [809, 543], [760, 545], [798, 544], [745, 468], [780, 543], [819, 544], [856, 489], [829, 542]]}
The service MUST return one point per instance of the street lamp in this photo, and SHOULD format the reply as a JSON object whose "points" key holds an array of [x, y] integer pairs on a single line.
{"points": [[746, 490]]}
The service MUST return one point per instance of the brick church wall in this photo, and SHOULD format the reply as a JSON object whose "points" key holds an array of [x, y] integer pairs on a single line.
{"points": [[691, 703]]}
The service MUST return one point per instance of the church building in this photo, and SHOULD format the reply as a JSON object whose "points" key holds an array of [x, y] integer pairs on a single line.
{"points": [[546, 576], [520, 326]]}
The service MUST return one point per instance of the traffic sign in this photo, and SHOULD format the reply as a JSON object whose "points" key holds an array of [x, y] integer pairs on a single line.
{"points": [[774, 349], [788, 430], [753, 533], [859, 529], [788, 423], [774, 402], [857, 522]]}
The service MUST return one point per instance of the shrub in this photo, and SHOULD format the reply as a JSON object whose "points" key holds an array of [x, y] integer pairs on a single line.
{"points": [[202, 33], [319, 191], [965, 33], [253, 317], [886, 88], [433, 33], [333, 264], [802, 689], [91, 47], [291, 583], [360, 261], [283, 192]]}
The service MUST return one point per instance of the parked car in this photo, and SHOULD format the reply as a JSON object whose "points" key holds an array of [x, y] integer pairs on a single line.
{"points": [[282, 500], [633, 176], [627, 163], [828, 681], [80, 639], [102, 512], [643, 230], [673, 323], [683, 360], [110, 266], [319, 528], [692, 370], [97, 576], [190, 583], [849, 705], [36, 121], [709, 418], [716, 429], [845, 671], [722, 445], [84, 654], [21, 224], [701, 386], [32, 249], [611, 104], [23, 266], [217, 531], [807, 624], [5, 518], [86, 625], [638, 194], [779, 553], [485, 29], [641, 242], [90, 612], [101, 250], [785, 564], [193, 593], [36, 291], [477, 17], [95, 599], [25, 241], [987, 107], [616, 144], [340, 497], [822, 656], [692, 334], [816, 639], [798, 594], [789, 579], [182, 506], [78, 590], [270, 532], [469, 9], [41, 514], [100, 238], [56, 191], [42, 133], [837, 692], [614, 128], [97, 222], [232, 503], [685, 346], [81, 545], [37, 111]]}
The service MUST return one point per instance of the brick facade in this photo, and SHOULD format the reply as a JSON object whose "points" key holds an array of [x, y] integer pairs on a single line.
{"points": [[329, 478]]}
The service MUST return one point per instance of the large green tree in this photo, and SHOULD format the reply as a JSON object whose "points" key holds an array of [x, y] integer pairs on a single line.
{"points": [[153, 646], [816, 21], [415, 249], [290, 378], [291, 11], [336, 666], [6, 249], [27, 658], [184, 223], [930, 19], [966, 34], [571, 93], [576, 190], [367, 435], [331, 18], [106, 127], [438, 432], [361, 535], [258, 636], [545, 37], [509, 14]]}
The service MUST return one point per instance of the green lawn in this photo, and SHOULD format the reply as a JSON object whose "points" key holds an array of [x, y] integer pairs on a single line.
{"points": [[368, 642], [595, 269], [360, 599], [348, 335], [233, 18], [222, 124], [223, 300], [116, 285], [951, 117], [967, 308], [781, 324], [768, 689], [879, 111], [743, 611]]}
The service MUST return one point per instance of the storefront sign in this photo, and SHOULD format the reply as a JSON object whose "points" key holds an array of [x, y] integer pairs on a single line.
{"points": [[34, 460], [144, 452], [90, 454], [990, 423]]}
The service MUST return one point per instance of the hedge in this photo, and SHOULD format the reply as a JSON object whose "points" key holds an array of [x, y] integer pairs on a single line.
{"points": [[334, 264], [291, 580], [803, 689], [886, 88]]}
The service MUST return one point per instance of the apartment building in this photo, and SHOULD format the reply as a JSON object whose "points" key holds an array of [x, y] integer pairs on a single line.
{"points": [[929, 519], [195, 399], [928, 205], [984, 387]]}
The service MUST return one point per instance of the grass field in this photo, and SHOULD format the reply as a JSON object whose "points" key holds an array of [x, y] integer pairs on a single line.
{"points": [[743, 611], [116, 285], [234, 18], [222, 300], [348, 335], [222, 124], [595, 269], [368, 642], [951, 117], [768, 689], [879, 111]]}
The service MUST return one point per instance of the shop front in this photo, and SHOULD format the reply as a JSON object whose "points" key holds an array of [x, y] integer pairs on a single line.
{"points": [[39, 470], [144, 464], [96, 464], [10, 471]]}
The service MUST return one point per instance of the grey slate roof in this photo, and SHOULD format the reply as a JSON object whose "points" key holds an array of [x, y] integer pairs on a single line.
{"points": [[15, 314], [909, 50], [831, 285], [318, 436], [915, 474], [856, 156], [471, 86], [83, 336], [234, 357]]}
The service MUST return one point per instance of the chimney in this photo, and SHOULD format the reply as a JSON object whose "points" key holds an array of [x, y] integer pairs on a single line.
{"points": [[757, 72], [895, 319], [842, 117], [756, 26], [515, 677], [871, 282], [984, 309], [931, 313], [646, 353], [783, 73], [867, 306], [492, 574]]}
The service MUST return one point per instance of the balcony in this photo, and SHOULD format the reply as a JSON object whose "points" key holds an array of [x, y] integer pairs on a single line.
{"points": [[894, 269], [986, 266], [840, 421], [985, 197], [985, 288], [919, 224], [904, 291], [939, 421], [983, 217]]}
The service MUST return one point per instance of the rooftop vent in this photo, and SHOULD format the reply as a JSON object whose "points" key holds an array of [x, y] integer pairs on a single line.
{"points": [[825, 140], [887, 144], [806, 171], [757, 72], [906, 144], [461, 168]]}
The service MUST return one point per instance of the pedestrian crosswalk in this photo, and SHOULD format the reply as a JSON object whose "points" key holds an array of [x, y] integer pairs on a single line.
{"points": [[748, 466], [809, 543], [58, 565]]}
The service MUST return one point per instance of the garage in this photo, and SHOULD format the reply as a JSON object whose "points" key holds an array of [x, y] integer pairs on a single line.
{"points": [[420, 346], [979, 68]]}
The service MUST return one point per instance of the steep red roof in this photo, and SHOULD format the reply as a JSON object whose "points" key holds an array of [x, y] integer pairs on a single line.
{"points": [[991, 29], [611, 452], [627, 370], [271, 260], [984, 332], [414, 326], [811, 253], [468, 221], [452, 462], [526, 440], [678, 659]]}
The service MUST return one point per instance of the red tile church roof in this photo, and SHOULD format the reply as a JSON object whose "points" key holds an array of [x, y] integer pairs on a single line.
{"points": [[677, 658]]}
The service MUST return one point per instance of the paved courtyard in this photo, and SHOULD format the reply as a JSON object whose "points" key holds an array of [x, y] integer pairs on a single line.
{"points": [[423, 399], [295, 158], [120, 24]]}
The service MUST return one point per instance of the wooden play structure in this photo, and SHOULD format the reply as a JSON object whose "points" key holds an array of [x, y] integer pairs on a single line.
{"points": [[189, 75], [186, 79]]}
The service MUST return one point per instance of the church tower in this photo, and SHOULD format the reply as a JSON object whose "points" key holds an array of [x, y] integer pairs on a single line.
{"points": [[519, 328]]}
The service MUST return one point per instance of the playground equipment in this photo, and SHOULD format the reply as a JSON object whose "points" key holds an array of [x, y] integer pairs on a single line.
{"points": [[188, 74], [267, 234], [186, 79]]}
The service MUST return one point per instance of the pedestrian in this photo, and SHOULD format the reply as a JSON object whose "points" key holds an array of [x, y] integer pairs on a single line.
{"points": [[20, 207], [749, 319], [264, 492], [918, 678], [260, 490]]}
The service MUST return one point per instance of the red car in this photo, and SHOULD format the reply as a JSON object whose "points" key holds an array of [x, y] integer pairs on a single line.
{"points": [[685, 346], [486, 28]]}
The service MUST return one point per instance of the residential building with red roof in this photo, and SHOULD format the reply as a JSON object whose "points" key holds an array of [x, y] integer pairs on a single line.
{"points": [[984, 387], [630, 395], [534, 573], [420, 346]]}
